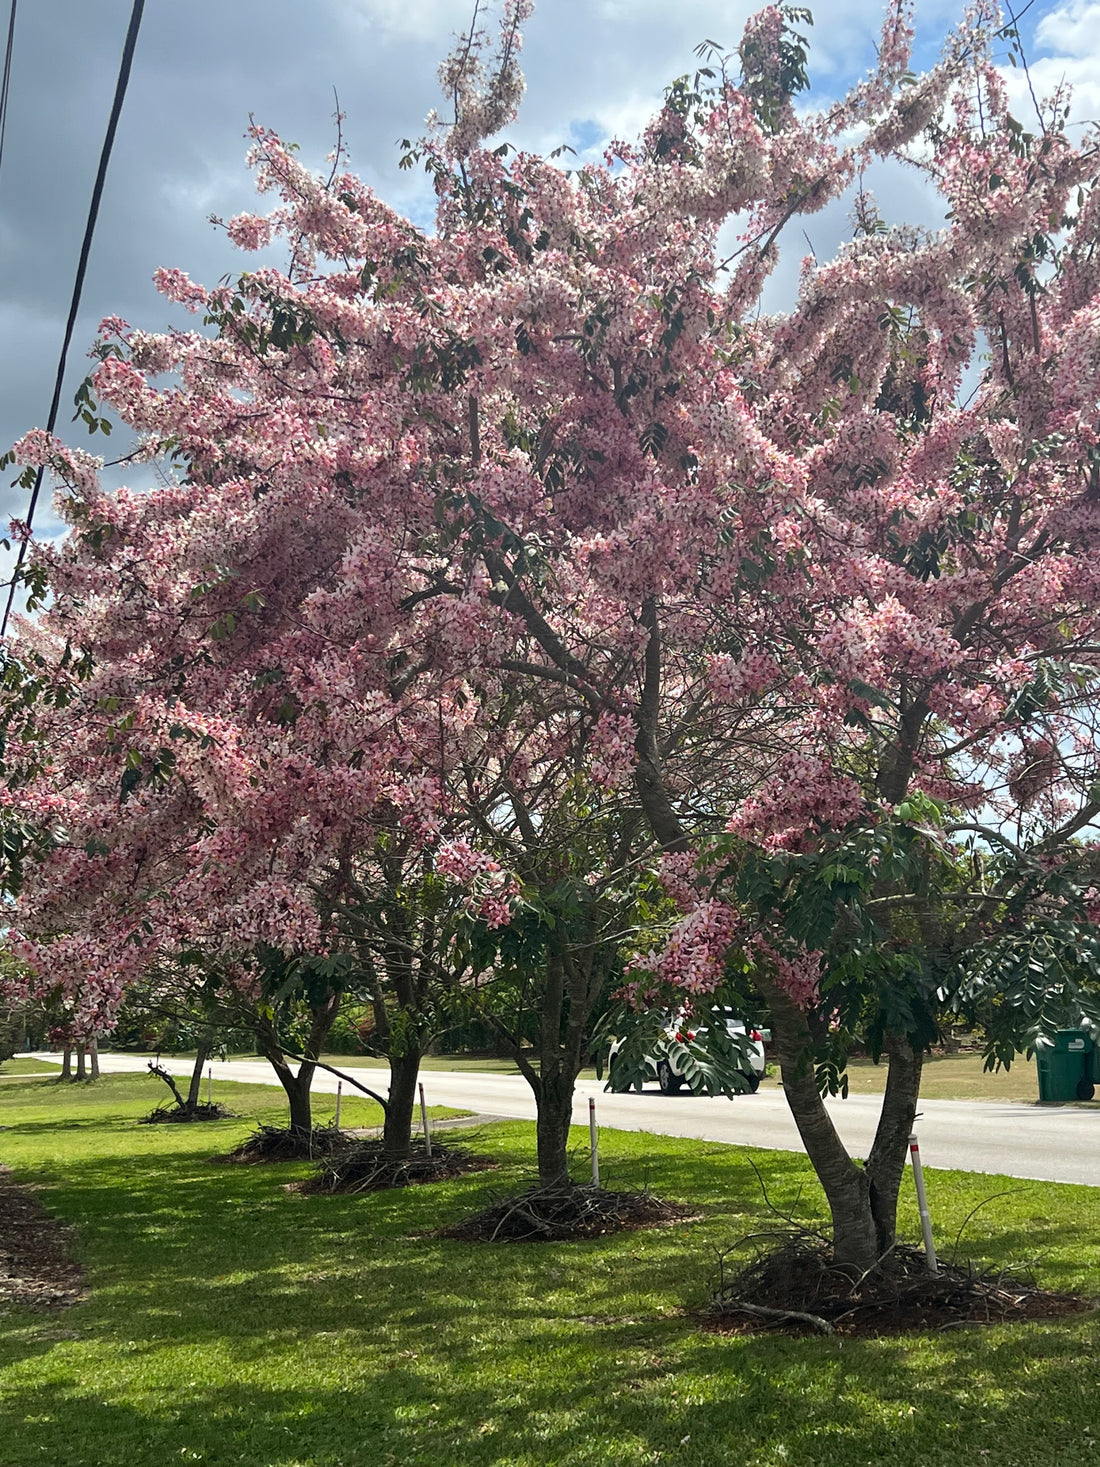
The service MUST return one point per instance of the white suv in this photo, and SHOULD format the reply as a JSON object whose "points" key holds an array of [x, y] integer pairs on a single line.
{"points": [[665, 1062]]}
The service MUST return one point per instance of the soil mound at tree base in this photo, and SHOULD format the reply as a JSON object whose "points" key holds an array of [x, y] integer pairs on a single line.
{"points": [[366, 1168], [166, 1115], [798, 1289], [36, 1271], [277, 1143], [559, 1214]]}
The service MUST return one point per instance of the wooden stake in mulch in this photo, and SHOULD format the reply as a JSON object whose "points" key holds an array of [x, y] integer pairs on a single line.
{"points": [[922, 1205], [424, 1119]]}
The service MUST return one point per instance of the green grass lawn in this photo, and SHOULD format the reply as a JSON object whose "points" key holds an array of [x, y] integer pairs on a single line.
{"points": [[231, 1322], [27, 1067]]}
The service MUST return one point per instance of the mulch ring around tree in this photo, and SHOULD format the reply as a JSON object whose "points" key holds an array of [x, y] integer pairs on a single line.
{"points": [[166, 1115], [561, 1214], [366, 1168], [797, 1289], [36, 1269], [279, 1143]]}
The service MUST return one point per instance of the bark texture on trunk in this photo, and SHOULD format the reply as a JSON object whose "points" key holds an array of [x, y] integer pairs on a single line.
{"points": [[886, 1164], [93, 1058], [194, 1090], [66, 1064], [81, 1062], [847, 1186], [554, 1101], [401, 1106]]}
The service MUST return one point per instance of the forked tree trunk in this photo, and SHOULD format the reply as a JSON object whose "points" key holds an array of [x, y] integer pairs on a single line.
{"points": [[847, 1186], [298, 1084], [401, 1105], [572, 985], [886, 1163], [301, 1103]]}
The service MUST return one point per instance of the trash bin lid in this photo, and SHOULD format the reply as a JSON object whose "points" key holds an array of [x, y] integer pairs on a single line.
{"points": [[1073, 1041]]}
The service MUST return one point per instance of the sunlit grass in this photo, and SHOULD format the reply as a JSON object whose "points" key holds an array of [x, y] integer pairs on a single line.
{"points": [[233, 1322]]}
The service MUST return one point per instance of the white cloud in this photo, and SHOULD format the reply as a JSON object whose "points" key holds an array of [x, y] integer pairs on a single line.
{"points": [[1067, 39]]}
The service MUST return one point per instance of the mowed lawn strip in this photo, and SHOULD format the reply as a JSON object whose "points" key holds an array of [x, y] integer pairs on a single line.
{"points": [[232, 1322]]}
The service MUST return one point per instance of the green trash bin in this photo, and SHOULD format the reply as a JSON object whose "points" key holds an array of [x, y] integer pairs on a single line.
{"points": [[1067, 1066]]}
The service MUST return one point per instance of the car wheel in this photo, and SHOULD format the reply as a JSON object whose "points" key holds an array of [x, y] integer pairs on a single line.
{"points": [[753, 1080], [1085, 1090], [668, 1081]]}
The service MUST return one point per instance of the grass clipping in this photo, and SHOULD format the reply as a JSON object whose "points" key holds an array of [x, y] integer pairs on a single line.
{"points": [[796, 1286], [562, 1213]]}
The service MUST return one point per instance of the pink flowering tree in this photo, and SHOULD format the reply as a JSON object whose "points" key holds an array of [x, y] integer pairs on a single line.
{"points": [[913, 602], [799, 578]]}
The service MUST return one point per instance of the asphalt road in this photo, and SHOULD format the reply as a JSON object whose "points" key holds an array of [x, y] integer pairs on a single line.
{"points": [[1045, 1143]]}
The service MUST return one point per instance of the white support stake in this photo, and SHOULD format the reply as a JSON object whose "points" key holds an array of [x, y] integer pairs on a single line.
{"points": [[210, 1084], [922, 1205], [339, 1098], [424, 1119], [594, 1142]]}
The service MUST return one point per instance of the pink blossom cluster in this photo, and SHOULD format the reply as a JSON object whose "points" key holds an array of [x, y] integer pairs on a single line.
{"points": [[805, 795], [797, 974]]}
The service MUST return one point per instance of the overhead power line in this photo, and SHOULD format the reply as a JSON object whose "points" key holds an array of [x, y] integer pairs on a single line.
{"points": [[5, 86], [81, 270]]}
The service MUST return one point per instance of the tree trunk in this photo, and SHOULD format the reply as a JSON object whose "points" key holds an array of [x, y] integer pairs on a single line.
{"points": [[93, 1058], [301, 1102], [201, 1054], [67, 1063], [554, 1103], [847, 1186], [397, 1131], [81, 1062], [297, 1086], [886, 1164]]}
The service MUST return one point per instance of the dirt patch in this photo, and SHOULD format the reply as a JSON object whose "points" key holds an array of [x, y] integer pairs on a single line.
{"points": [[798, 1289], [560, 1214], [36, 1269], [277, 1143], [366, 1168]]}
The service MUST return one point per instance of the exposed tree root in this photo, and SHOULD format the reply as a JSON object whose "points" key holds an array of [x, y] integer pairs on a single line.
{"points": [[558, 1214], [277, 1143], [366, 1168], [36, 1271], [175, 1115], [797, 1286]]}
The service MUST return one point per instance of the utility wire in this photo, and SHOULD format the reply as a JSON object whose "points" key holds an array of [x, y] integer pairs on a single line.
{"points": [[81, 271], [5, 86]]}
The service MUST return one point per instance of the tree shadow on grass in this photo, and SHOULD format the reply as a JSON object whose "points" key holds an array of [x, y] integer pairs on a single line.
{"points": [[578, 1396], [233, 1323]]}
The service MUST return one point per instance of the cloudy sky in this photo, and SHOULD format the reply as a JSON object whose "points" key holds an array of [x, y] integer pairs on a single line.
{"points": [[595, 68]]}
